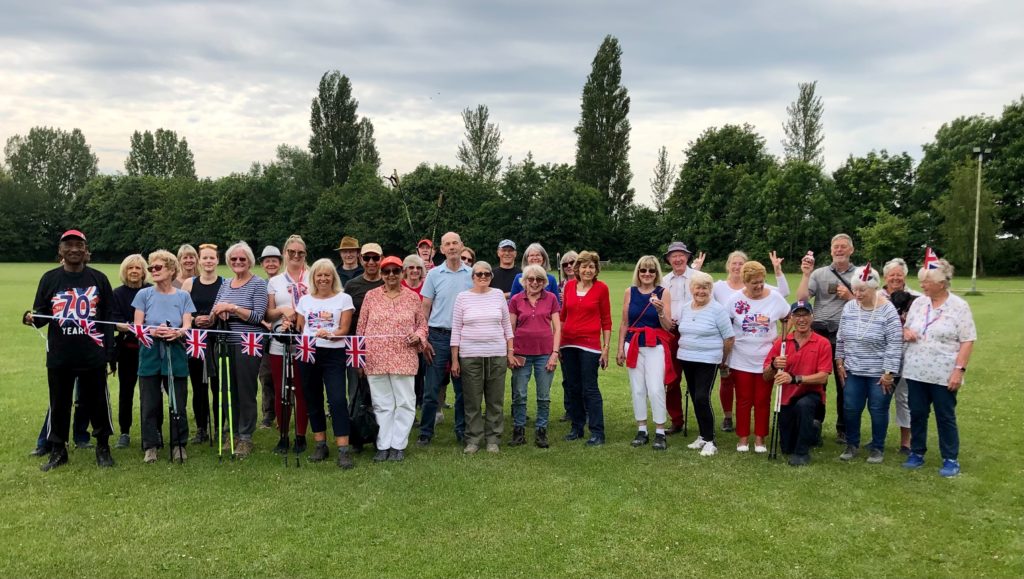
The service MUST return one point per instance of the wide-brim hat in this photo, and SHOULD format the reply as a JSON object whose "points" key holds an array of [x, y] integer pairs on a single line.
{"points": [[348, 242], [677, 246]]}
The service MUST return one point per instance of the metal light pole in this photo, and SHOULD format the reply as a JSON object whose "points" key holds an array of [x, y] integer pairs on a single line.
{"points": [[977, 213]]}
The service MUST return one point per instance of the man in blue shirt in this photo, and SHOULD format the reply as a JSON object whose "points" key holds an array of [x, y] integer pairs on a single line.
{"points": [[443, 283]]}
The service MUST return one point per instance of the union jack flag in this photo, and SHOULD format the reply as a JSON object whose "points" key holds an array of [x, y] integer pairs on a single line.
{"points": [[252, 344], [74, 304], [142, 334], [195, 344], [305, 350], [931, 261], [92, 332], [357, 352], [343, 342]]}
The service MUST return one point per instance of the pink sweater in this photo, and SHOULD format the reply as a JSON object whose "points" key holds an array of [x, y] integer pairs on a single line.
{"points": [[481, 325]]}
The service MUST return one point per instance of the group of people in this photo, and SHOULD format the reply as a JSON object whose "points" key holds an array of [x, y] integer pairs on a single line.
{"points": [[422, 324]]}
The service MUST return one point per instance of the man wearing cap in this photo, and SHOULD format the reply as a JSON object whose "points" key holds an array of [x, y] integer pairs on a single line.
{"points": [[829, 287], [425, 249], [801, 372], [442, 285], [677, 282], [350, 266], [507, 269], [77, 348], [270, 262], [370, 254]]}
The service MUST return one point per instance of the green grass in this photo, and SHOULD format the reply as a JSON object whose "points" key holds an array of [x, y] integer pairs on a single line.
{"points": [[567, 511]]}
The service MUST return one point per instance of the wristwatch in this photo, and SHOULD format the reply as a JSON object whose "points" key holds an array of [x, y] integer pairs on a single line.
{"points": [[961, 368], [798, 379]]}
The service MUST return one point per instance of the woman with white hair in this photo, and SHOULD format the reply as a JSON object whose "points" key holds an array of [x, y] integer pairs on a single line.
{"points": [[940, 333], [414, 271], [869, 346], [241, 302], [535, 254], [895, 290]]}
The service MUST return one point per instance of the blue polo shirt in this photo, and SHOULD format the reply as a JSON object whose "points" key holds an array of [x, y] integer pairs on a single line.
{"points": [[441, 287]]}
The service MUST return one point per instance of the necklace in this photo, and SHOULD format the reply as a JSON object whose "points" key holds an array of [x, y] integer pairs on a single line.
{"points": [[862, 326]]}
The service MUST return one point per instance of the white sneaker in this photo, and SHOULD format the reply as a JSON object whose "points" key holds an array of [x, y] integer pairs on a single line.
{"points": [[150, 457], [697, 444], [709, 449], [760, 448], [742, 448], [439, 417]]}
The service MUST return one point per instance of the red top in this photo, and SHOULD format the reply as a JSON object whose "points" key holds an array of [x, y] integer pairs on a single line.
{"points": [[417, 289], [813, 357], [585, 317]]}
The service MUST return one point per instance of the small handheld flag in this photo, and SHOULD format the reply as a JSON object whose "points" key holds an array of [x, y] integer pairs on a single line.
{"points": [[931, 261], [195, 344], [252, 344]]}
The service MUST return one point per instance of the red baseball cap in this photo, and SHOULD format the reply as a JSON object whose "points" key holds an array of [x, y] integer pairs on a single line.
{"points": [[71, 234], [427, 241], [391, 260]]}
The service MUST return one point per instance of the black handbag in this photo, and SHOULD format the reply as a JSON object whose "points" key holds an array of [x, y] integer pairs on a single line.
{"points": [[362, 419]]}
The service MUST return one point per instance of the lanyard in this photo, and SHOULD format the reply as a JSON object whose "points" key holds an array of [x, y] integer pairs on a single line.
{"points": [[927, 319]]}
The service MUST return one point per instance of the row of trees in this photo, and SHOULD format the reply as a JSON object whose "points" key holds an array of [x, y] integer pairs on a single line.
{"points": [[728, 193]]}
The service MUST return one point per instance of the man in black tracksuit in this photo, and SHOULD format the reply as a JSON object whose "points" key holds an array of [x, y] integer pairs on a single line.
{"points": [[77, 348]]}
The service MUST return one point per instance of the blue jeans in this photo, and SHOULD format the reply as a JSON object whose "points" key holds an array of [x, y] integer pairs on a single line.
{"points": [[585, 401], [520, 380], [923, 396], [858, 391], [441, 340]]}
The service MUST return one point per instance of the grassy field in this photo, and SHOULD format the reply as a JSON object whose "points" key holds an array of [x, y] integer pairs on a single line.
{"points": [[569, 511]]}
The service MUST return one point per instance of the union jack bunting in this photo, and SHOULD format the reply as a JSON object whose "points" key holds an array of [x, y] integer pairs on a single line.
{"points": [[931, 261], [305, 349], [252, 344], [356, 351], [195, 344], [343, 343], [92, 332], [142, 334]]}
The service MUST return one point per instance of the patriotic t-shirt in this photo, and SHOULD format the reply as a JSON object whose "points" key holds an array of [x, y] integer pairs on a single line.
{"points": [[754, 322], [81, 298], [287, 292], [324, 313]]}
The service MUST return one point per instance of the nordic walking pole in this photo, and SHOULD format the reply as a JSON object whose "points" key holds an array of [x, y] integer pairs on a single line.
{"points": [[209, 407], [775, 440], [290, 395], [231, 415], [686, 412], [285, 401]]}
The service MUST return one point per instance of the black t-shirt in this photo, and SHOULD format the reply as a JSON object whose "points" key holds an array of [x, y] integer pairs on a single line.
{"points": [[503, 278], [348, 275], [356, 289], [81, 297]]}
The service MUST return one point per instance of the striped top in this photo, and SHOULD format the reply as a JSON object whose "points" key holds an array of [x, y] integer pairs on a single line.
{"points": [[870, 342], [481, 326], [251, 296]]}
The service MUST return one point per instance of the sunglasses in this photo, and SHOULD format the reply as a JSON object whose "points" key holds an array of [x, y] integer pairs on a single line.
{"points": [[208, 246], [647, 270], [569, 264], [155, 268], [371, 257], [482, 274], [391, 271], [416, 267], [238, 259], [296, 253], [468, 260], [536, 279]]}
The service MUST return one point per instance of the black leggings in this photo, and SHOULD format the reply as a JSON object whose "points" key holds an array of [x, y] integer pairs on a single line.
{"points": [[201, 393], [700, 379], [127, 376]]}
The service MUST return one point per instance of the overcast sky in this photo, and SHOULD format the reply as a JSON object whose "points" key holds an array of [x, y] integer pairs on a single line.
{"points": [[236, 79]]}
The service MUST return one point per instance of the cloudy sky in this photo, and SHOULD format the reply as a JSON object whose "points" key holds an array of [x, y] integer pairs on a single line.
{"points": [[236, 78]]}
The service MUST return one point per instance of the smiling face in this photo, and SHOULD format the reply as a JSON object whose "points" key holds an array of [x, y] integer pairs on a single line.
{"points": [[535, 284], [371, 264], [323, 281], [754, 287], [74, 252], [802, 321], [534, 258], [646, 274], [678, 260], [188, 264], [701, 293], [414, 274], [568, 269], [586, 271], [239, 263], [271, 265], [895, 280], [841, 251], [481, 278], [392, 275], [735, 265], [507, 257], [296, 253], [350, 258]]}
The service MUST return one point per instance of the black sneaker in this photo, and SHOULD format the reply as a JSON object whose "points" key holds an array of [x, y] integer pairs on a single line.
{"points": [[640, 439], [345, 457], [799, 459], [300, 444], [320, 452], [84, 445], [660, 443], [574, 435], [595, 440], [282, 445], [58, 457], [423, 440], [396, 455], [727, 425], [200, 437], [41, 450], [103, 457], [542, 438], [518, 436], [905, 450], [381, 455], [123, 441], [841, 438]]}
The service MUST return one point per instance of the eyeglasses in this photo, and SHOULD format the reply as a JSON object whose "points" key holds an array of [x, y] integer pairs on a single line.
{"points": [[536, 279], [238, 259], [296, 253], [208, 246], [482, 274], [391, 271], [155, 268], [371, 257], [645, 270]]}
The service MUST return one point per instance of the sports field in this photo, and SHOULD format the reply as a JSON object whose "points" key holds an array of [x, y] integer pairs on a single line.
{"points": [[568, 511]]}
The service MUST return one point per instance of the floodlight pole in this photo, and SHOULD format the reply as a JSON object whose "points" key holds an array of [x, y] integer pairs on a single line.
{"points": [[977, 214]]}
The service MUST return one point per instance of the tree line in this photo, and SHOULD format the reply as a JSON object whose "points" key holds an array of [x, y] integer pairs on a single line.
{"points": [[729, 192]]}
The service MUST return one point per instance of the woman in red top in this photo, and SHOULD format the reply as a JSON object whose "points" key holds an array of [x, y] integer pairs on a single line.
{"points": [[413, 273], [586, 333]]}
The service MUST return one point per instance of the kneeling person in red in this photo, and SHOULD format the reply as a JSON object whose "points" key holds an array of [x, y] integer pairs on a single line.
{"points": [[801, 369]]}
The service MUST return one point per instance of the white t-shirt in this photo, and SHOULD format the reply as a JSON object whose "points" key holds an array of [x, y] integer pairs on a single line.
{"points": [[287, 292], [324, 313], [722, 292], [754, 324]]}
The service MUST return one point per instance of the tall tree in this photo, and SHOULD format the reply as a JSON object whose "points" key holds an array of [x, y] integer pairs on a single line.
{"points": [[1005, 173], [160, 155], [664, 178], [334, 142], [957, 229], [804, 132], [366, 152], [478, 153], [602, 135], [865, 186]]}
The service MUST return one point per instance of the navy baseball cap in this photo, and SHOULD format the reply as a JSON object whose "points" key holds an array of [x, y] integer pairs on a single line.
{"points": [[801, 305]]}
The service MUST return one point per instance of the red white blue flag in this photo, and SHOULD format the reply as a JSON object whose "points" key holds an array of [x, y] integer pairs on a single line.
{"points": [[195, 344], [92, 332], [305, 349], [931, 261], [142, 334], [356, 351], [74, 304], [252, 344]]}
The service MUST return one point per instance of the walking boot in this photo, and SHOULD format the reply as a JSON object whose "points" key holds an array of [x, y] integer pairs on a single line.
{"points": [[320, 451], [518, 436], [282, 445], [300, 444], [58, 457], [542, 438], [345, 457], [103, 457]]}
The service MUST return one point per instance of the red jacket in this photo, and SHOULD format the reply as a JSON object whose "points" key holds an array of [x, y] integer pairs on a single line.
{"points": [[584, 318]]}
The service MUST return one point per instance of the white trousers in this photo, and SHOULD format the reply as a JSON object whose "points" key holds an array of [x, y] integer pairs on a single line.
{"points": [[394, 404], [647, 381], [901, 394]]}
